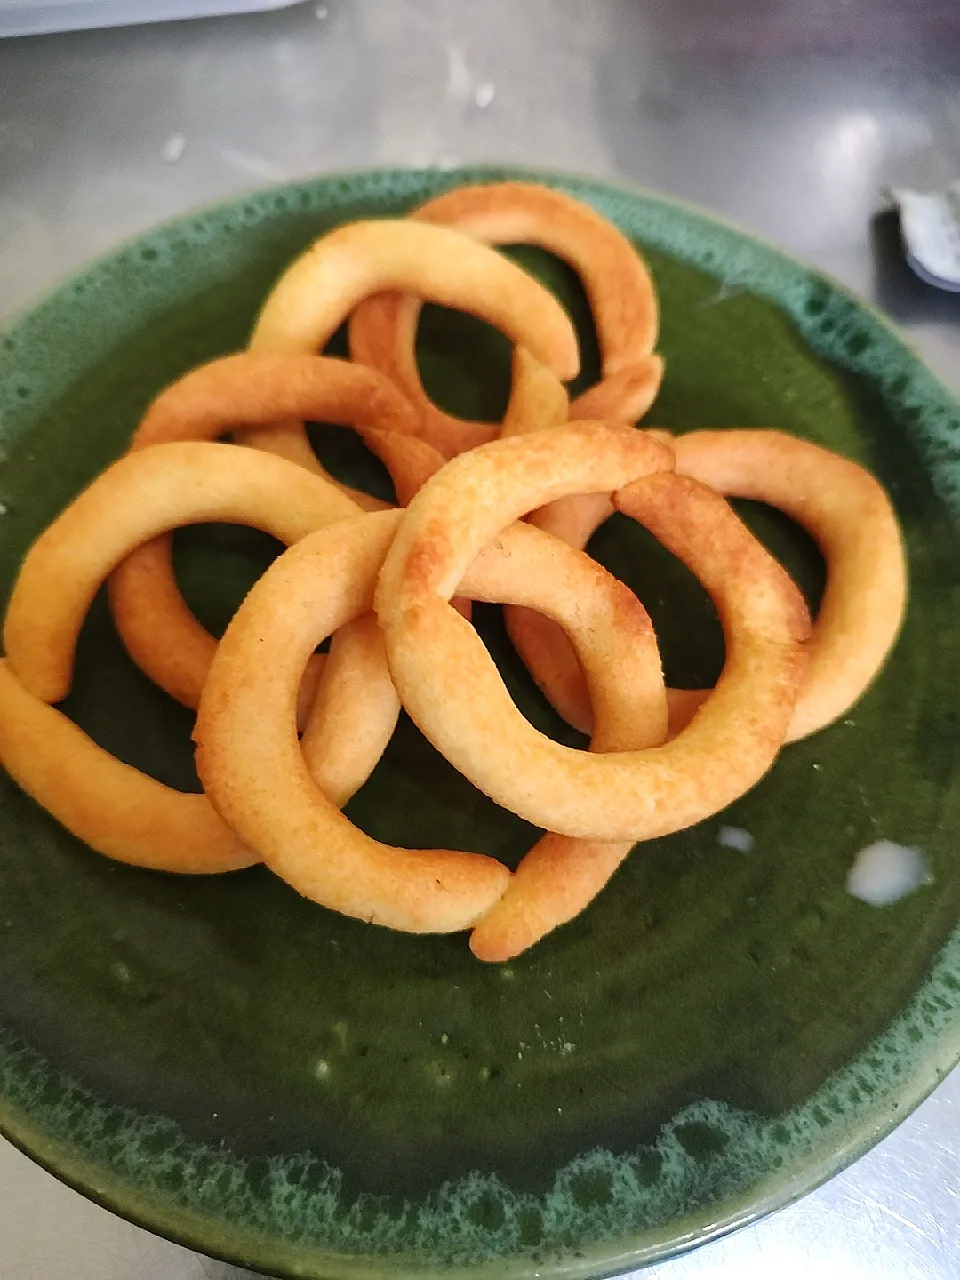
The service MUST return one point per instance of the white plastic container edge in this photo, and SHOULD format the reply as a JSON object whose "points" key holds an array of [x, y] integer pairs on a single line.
{"points": [[23, 18]]}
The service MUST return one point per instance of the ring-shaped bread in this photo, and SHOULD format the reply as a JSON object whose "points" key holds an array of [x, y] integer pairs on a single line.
{"points": [[111, 806], [847, 513], [247, 750], [252, 392], [560, 875], [453, 691], [619, 289], [138, 497], [320, 289], [115, 808], [158, 629]]}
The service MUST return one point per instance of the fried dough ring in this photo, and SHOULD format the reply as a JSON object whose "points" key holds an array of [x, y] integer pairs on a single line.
{"points": [[843, 508], [618, 796], [545, 650], [251, 392], [138, 497], [561, 874], [320, 288], [112, 807], [850, 517], [476, 495], [538, 399], [247, 752], [159, 631], [383, 329], [553, 883]]}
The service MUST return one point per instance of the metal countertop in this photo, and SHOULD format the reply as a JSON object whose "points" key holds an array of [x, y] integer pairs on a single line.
{"points": [[789, 116]]}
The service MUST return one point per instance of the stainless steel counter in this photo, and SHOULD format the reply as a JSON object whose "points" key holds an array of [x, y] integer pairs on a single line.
{"points": [[789, 116]]}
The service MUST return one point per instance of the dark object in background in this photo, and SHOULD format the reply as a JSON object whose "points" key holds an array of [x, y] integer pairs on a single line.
{"points": [[899, 290]]}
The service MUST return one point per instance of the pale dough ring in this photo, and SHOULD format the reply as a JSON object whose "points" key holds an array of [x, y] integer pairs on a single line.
{"points": [[619, 796], [616, 280], [249, 758]]}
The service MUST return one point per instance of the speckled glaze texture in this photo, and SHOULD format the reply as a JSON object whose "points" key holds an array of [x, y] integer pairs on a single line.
{"points": [[725, 1027]]}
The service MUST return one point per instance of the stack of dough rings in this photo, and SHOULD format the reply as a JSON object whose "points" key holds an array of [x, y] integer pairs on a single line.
{"points": [[496, 512]]}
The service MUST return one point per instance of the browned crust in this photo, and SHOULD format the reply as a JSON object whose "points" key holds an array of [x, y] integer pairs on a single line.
{"points": [[615, 277], [138, 497], [851, 518], [254, 771], [112, 807], [844, 509], [430, 262], [621, 795], [251, 390]]}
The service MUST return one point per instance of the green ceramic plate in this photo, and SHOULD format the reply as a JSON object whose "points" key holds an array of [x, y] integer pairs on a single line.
{"points": [[250, 1074]]}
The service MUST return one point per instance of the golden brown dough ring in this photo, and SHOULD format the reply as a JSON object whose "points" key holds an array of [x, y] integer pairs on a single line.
{"points": [[139, 496], [254, 392], [253, 769], [477, 494], [112, 807], [320, 289], [561, 874], [354, 713], [159, 631], [619, 289], [545, 650], [538, 399], [849, 515], [453, 691], [843, 508], [248, 754]]}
